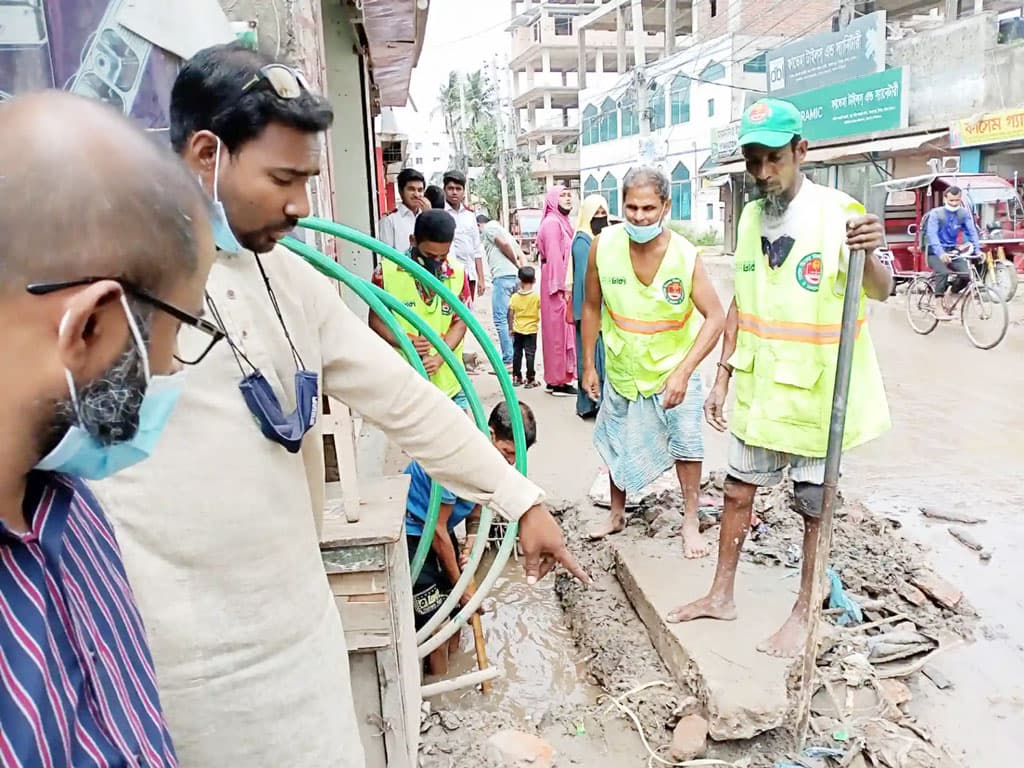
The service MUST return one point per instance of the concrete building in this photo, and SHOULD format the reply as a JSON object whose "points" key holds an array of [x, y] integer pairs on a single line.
{"points": [[712, 66], [548, 71]]}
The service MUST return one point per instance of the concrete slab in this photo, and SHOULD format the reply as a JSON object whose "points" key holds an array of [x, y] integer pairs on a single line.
{"points": [[744, 691]]}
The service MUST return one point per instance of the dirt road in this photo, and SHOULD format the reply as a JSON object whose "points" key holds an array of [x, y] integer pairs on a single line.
{"points": [[955, 445]]}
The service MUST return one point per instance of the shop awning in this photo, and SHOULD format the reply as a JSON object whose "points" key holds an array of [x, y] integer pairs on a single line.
{"points": [[842, 151], [394, 36]]}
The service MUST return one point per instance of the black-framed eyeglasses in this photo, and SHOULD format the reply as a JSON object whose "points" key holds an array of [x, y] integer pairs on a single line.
{"points": [[211, 332], [286, 82]]}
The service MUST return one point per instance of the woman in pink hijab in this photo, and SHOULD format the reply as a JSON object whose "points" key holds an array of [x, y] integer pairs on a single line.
{"points": [[554, 240]]}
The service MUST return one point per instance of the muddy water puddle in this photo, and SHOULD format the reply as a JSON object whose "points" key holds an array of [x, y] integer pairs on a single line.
{"points": [[527, 639]]}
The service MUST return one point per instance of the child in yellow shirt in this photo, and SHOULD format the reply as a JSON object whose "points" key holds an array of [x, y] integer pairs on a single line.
{"points": [[524, 320]]}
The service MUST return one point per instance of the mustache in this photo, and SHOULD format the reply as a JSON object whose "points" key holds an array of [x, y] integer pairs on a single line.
{"points": [[289, 223]]}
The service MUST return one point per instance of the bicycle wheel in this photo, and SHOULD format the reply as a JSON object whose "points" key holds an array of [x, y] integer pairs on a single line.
{"points": [[984, 316], [919, 306]]}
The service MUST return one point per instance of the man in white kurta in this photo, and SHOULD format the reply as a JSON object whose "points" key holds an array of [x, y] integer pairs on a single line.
{"points": [[219, 529]]}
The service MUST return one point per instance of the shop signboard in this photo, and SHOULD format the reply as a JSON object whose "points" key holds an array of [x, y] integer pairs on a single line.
{"points": [[991, 128], [876, 102], [725, 141], [828, 58]]}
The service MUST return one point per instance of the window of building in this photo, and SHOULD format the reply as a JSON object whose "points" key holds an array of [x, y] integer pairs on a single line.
{"points": [[757, 64], [657, 107], [680, 97], [630, 119], [714, 8], [589, 125], [418, 161], [610, 190], [711, 107], [590, 186], [711, 211], [681, 193], [563, 25], [609, 120], [712, 72]]}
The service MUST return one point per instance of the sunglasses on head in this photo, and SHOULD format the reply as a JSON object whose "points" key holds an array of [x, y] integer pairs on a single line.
{"points": [[286, 82]]}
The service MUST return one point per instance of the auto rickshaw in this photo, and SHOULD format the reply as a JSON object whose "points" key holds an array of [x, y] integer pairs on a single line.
{"points": [[998, 215], [523, 227]]}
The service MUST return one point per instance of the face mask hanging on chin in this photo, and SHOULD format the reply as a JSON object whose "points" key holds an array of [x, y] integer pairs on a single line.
{"points": [[223, 235]]}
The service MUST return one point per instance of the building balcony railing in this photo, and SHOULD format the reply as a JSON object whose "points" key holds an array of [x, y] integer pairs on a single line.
{"points": [[556, 163]]}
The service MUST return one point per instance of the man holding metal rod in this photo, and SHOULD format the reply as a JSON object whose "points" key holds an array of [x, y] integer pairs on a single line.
{"points": [[781, 346]]}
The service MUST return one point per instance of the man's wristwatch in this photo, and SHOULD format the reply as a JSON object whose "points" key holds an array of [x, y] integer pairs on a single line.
{"points": [[725, 367]]}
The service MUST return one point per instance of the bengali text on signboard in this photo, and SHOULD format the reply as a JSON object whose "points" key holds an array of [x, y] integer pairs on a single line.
{"points": [[991, 128], [828, 57], [868, 104]]}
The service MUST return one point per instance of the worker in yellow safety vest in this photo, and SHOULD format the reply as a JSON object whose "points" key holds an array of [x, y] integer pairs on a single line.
{"points": [[430, 243], [781, 346], [659, 316]]}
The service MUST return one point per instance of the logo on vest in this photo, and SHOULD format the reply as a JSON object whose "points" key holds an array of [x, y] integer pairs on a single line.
{"points": [[673, 291], [808, 272], [446, 308]]}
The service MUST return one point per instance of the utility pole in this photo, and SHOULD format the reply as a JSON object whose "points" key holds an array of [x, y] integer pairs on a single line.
{"points": [[500, 130], [639, 78], [513, 124], [462, 130]]}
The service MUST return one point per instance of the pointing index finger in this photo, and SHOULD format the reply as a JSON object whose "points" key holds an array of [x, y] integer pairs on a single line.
{"points": [[564, 556]]}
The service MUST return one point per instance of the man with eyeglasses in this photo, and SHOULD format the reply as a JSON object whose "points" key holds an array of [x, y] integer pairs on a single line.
{"points": [[220, 533], [107, 247]]}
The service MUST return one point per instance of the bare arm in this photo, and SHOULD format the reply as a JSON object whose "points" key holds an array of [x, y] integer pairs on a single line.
{"points": [[867, 233], [381, 329], [592, 298], [705, 299], [877, 278], [456, 333], [441, 544], [731, 330]]}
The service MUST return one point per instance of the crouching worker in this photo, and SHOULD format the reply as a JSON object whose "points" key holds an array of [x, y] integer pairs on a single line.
{"points": [[442, 569]]}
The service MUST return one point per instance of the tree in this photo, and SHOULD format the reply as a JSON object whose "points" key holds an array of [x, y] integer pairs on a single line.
{"points": [[477, 142]]}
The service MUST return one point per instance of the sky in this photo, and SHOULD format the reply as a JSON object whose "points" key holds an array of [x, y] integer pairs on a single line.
{"points": [[461, 35]]}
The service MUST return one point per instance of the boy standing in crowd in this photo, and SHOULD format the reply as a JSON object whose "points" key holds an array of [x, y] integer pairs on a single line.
{"points": [[524, 320]]}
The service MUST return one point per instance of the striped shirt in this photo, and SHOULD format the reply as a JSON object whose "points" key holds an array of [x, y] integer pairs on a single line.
{"points": [[77, 686]]}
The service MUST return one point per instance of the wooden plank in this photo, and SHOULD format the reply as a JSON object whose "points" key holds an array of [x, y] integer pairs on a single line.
{"points": [[367, 641], [364, 617], [381, 516], [354, 559], [392, 707], [339, 423], [366, 693], [409, 665], [360, 583]]}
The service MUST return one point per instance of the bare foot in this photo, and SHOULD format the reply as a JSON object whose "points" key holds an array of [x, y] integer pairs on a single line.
{"points": [[694, 545], [709, 607], [614, 524], [790, 640]]}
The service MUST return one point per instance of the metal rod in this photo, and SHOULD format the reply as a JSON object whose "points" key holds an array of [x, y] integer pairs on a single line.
{"points": [[833, 457]]}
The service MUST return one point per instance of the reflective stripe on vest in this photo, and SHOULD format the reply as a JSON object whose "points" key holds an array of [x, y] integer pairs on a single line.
{"points": [[647, 330], [789, 323], [648, 327], [806, 333]]}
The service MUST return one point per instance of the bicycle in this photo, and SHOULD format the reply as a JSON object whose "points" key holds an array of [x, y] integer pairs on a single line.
{"points": [[976, 302]]}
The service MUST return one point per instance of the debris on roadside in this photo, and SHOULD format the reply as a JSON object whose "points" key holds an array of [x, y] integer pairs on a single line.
{"points": [[951, 517]]}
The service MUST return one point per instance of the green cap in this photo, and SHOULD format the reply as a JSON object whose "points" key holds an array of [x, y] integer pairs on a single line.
{"points": [[770, 123]]}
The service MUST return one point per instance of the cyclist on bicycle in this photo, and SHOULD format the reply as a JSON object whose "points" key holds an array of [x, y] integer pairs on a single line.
{"points": [[946, 254]]}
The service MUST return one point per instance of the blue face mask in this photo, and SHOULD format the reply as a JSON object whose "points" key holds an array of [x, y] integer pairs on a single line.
{"points": [[283, 429], [80, 454], [222, 234], [645, 234]]}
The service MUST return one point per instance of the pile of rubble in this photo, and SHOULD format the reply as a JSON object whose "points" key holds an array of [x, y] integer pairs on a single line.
{"points": [[908, 614]]}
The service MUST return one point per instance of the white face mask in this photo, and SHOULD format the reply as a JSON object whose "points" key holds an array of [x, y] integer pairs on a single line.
{"points": [[952, 207], [223, 235]]}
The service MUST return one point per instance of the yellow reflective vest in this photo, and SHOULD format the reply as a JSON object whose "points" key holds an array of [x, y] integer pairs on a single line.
{"points": [[437, 313], [788, 341], [647, 329]]}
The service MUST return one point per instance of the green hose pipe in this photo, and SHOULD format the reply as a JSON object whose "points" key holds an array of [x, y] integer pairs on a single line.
{"points": [[330, 268], [363, 290], [423, 276]]}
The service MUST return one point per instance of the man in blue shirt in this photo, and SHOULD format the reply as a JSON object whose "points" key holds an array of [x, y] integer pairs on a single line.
{"points": [[441, 570], [107, 247], [946, 254]]}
